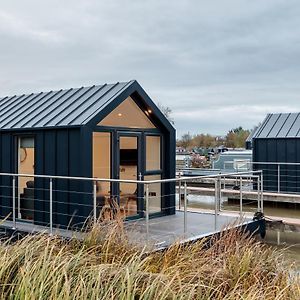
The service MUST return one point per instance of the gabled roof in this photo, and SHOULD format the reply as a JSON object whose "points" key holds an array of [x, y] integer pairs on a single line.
{"points": [[70, 107], [285, 125]]}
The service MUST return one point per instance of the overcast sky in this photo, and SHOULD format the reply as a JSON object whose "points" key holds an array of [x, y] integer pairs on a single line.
{"points": [[216, 64]]}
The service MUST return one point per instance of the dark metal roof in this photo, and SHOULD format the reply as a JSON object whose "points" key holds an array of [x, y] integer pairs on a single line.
{"points": [[285, 125], [71, 107]]}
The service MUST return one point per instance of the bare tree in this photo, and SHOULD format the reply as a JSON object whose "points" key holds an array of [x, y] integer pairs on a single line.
{"points": [[167, 111]]}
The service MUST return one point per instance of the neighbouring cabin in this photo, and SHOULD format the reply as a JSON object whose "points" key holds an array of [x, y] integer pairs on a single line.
{"points": [[276, 146], [110, 131]]}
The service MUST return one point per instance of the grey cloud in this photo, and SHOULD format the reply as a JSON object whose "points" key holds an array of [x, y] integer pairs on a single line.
{"points": [[217, 64]]}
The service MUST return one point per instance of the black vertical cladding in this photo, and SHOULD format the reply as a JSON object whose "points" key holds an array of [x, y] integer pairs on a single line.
{"points": [[61, 203], [39, 184], [291, 170], [282, 150], [297, 157], [281, 157], [170, 172], [49, 169], [271, 170], [78, 198], [6, 167], [86, 170]]}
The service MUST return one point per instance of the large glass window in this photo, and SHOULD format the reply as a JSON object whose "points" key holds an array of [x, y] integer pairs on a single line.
{"points": [[152, 153], [101, 161], [128, 114]]}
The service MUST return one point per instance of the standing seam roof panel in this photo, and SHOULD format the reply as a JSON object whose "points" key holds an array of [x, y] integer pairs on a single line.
{"points": [[13, 104], [3, 102], [20, 113], [39, 114], [58, 108], [262, 126], [68, 105], [287, 126], [278, 125], [35, 109], [269, 125], [72, 107], [294, 128], [95, 93], [98, 92]]}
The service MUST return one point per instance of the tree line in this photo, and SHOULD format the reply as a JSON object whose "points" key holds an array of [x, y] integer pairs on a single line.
{"points": [[235, 138]]}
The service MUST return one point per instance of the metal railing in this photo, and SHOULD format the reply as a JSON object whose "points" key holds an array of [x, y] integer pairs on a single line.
{"points": [[280, 177], [51, 191]]}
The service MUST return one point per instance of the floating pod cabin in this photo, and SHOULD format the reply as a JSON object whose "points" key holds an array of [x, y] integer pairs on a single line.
{"points": [[277, 141], [108, 131]]}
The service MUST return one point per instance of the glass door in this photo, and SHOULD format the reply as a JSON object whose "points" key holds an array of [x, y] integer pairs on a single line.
{"points": [[25, 165], [129, 168]]}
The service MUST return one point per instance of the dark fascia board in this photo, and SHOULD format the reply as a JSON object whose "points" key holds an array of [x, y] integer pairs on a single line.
{"points": [[134, 87]]}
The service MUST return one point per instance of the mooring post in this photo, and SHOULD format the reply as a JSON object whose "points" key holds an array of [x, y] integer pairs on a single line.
{"points": [[147, 212], [278, 178], [185, 209], [241, 197], [95, 201], [278, 237], [51, 205], [14, 201]]}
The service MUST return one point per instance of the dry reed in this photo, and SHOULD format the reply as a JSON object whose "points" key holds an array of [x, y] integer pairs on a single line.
{"points": [[105, 265]]}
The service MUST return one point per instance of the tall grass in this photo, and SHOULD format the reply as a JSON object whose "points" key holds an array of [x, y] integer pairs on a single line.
{"points": [[105, 265]]}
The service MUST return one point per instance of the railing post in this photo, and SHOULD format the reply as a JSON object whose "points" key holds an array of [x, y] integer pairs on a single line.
{"points": [[147, 211], [185, 210], [241, 197], [262, 192], [95, 201], [179, 192], [258, 194], [216, 202], [51, 205], [14, 201], [19, 201], [278, 178], [219, 193]]}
